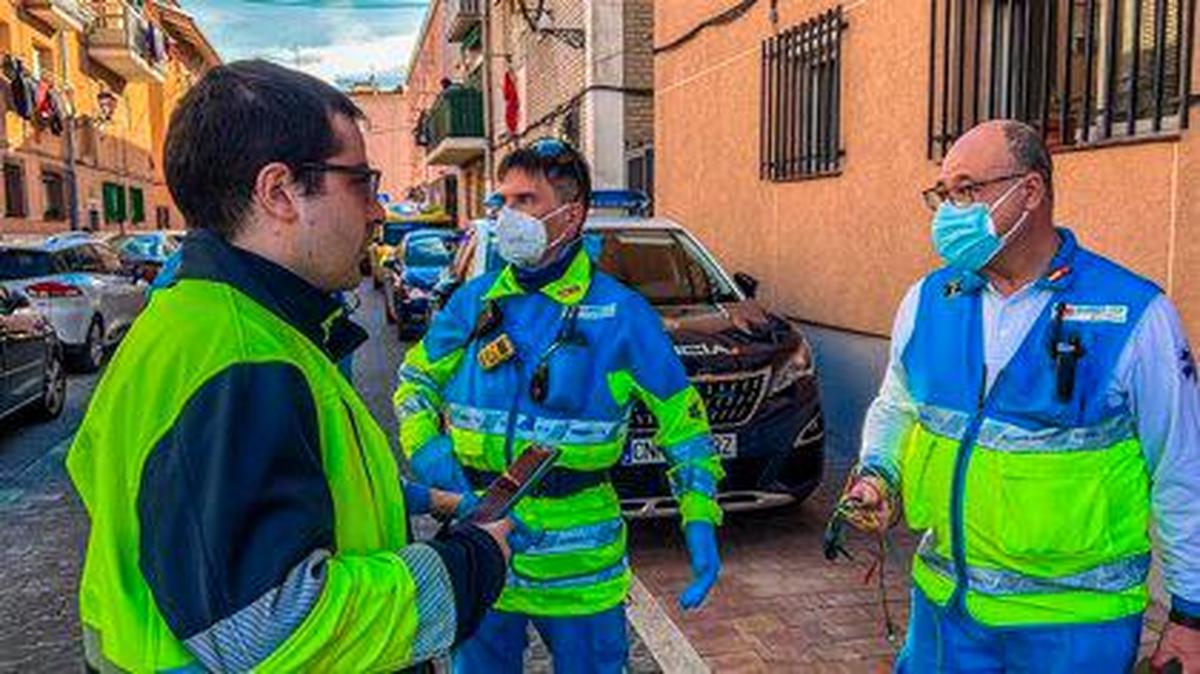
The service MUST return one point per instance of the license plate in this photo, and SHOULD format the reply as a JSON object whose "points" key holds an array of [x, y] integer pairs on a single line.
{"points": [[643, 451]]}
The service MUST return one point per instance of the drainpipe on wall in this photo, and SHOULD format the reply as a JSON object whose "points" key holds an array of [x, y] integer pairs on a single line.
{"points": [[604, 110], [72, 182], [489, 148]]}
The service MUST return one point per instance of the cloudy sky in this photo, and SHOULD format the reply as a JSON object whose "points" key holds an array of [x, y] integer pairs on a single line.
{"points": [[338, 40]]}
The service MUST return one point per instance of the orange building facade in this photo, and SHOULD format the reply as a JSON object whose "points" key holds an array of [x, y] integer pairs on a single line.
{"points": [[389, 138], [90, 86], [795, 138]]}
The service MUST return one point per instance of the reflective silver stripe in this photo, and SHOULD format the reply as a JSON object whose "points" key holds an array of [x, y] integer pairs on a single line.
{"points": [[1005, 437], [575, 539], [243, 640], [1117, 576], [698, 447], [526, 583], [410, 374], [535, 429], [943, 421], [411, 405], [436, 614]]}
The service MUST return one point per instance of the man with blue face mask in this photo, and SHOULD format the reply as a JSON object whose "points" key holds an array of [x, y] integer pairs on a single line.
{"points": [[550, 351], [1040, 409]]}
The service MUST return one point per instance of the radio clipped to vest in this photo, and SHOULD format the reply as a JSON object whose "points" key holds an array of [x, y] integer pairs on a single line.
{"points": [[498, 350], [1065, 351], [555, 382]]}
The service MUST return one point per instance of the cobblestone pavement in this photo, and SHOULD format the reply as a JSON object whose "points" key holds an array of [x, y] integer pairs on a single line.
{"points": [[780, 607]]}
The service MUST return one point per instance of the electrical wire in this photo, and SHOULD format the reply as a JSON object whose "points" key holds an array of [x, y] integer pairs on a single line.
{"points": [[849, 510], [572, 37], [726, 17], [564, 107]]}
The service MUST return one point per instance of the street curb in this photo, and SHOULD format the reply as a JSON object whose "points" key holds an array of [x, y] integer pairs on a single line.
{"points": [[662, 637]]}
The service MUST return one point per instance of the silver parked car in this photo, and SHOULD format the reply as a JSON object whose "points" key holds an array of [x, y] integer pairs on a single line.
{"points": [[31, 360], [80, 285]]}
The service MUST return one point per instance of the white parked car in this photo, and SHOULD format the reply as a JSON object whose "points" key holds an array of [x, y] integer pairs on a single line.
{"points": [[79, 284]]}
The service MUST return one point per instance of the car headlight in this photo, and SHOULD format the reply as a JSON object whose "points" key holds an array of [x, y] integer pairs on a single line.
{"points": [[795, 368]]}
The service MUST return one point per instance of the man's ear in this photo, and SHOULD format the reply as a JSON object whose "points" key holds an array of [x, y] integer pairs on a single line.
{"points": [[578, 214], [275, 192], [1037, 191]]}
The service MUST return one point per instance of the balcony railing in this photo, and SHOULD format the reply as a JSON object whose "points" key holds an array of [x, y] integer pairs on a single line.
{"points": [[74, 15], [454, 127], [123, 41], [464, 15]]}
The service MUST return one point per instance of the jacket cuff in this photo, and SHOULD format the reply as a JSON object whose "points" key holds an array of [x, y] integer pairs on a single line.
{"points": [[477, 572], [1190, 609], [882, 471]]}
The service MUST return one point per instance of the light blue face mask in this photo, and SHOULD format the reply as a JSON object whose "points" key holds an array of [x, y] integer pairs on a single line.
{"points": [[965, 236]]}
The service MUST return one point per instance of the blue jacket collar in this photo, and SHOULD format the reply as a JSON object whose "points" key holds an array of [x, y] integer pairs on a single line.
{"points": [[1058, 275]]}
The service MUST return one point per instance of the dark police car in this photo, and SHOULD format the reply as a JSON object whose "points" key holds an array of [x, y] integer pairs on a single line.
{"points": [[754, 369]]}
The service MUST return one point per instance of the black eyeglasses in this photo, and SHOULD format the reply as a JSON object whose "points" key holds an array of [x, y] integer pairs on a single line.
{"points": [[962, 194], [361, 173]]}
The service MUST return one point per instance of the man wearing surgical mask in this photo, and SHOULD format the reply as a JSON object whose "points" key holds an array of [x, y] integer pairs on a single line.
{"points": [[550, 351], [1040, 410]]}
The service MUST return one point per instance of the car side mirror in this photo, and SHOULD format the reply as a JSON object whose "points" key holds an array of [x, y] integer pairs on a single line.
{"points": [[747, 283]]}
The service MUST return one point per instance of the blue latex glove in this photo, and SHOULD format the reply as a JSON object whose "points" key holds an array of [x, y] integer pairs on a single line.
{"points": [[522, 537], [416, 498], [706, 563], [466, 505], [435, 465]]}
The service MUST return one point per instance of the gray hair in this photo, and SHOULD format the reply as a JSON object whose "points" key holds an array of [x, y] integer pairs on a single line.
{"points": [[1029, 151]]}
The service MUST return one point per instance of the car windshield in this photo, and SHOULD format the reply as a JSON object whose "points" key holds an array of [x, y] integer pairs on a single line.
{"points": [[393, 232], [20, 264], [667, 267], [428, 251]]}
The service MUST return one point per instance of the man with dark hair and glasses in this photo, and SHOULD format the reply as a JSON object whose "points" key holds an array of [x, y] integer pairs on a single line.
{"points": [[247, 513], [1040, 410], [550, 351]]}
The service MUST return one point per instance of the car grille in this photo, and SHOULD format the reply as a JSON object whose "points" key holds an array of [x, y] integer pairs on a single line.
{"points": [[731, 400]]}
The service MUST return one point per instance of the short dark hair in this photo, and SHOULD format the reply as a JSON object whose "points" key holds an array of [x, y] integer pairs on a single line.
{"points": [[558, 162], [237, 119], [1029, 151]]}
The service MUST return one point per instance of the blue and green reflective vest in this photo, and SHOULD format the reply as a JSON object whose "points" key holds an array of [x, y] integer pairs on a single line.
{"points": [[618, 353], [1035, 504]]}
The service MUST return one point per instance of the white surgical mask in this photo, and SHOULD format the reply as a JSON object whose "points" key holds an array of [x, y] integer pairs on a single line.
{"points": [[521, 239]]}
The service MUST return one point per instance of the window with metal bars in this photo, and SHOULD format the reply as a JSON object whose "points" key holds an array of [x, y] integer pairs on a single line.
{"points": [[801, 102], [1083, 72]]}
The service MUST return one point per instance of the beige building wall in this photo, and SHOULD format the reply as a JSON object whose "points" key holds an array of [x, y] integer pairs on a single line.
{"points": [[550, 73], [639, 72], [842, 250], [429, 63], [389, 138]]}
